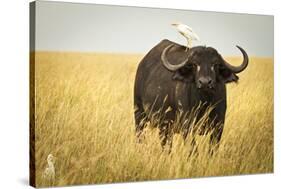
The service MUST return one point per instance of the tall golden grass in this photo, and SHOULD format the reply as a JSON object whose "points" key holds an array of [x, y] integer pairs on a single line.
{"points": [[84, 117]]}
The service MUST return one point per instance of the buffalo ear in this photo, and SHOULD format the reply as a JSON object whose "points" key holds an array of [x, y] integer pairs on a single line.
{"points": [[184, 75], [227, 76]]}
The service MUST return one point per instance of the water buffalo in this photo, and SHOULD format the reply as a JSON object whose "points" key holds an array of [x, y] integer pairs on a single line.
{"points": [[168, 77]]}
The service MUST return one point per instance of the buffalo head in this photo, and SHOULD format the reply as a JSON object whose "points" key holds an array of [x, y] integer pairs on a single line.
{"points": [[204, 66]]}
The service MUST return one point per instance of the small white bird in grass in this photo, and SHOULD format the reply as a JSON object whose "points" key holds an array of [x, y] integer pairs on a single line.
{"points": [[49, 173], [187, 32]]}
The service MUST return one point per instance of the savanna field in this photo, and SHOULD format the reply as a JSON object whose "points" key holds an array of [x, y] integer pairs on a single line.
{"points": [[84, 117]]}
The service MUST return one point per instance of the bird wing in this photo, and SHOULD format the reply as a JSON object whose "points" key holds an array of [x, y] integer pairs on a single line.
{"points": [[186, 28], [185, 31], [195, 36], [188, 32]]}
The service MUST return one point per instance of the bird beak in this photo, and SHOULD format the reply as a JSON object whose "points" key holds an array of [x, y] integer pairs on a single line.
{"points": [[174, 24]]}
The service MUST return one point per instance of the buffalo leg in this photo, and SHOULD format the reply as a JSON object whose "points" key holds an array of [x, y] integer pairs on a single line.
{"points": [[166, 137], [217, 127], [140, 120]]}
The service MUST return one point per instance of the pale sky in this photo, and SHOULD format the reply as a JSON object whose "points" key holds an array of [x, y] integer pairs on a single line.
{"points": [[103, 28]]}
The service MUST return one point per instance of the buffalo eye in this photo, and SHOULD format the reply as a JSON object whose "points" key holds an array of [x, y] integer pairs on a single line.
{"points": [[214, 67], [190, 67]]}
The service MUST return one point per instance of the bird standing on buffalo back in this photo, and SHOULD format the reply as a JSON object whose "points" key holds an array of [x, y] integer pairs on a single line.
{"points": [[187, 32], [169, 78]]}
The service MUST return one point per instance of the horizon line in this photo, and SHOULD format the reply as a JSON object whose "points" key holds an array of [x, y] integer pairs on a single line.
{"points": [[124, 53]]}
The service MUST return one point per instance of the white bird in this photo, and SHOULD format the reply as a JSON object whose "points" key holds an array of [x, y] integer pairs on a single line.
{"points": [[49, 173], [187, 32]]}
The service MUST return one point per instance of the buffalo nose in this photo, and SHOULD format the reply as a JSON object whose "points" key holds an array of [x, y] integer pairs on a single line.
{"points": [[205, 82]]}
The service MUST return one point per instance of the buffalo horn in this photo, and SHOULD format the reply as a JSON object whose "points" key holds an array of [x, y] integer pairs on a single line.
{"points": [[167, 64], [237, 69]]}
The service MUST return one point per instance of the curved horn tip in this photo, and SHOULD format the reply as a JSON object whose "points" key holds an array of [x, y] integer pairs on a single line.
{"points": [[239, 47]]}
